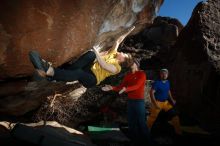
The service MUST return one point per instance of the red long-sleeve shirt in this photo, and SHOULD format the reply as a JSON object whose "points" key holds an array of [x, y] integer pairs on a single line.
{"points": [[134, 84]]}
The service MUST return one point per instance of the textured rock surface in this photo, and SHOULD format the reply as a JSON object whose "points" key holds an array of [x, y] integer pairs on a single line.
{"points": [[164, 31], [59, 31], [195, 71], [154, 44], [62, 30], [27, 96]]}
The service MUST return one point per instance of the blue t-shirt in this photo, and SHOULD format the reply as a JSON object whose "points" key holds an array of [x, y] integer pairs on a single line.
{"points": [[161, 90]]}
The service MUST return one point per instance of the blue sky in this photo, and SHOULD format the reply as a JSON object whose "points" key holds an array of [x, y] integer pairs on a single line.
{"points": [[180, 9]]}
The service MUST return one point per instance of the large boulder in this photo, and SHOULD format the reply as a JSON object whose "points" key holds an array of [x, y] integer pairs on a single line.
{"points": [[196, 64], [62, 30], [154, 44], [164, 30]]}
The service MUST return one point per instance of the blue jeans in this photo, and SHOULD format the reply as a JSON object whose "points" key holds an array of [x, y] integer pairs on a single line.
{"points": [[80, 70], [138, 130]]}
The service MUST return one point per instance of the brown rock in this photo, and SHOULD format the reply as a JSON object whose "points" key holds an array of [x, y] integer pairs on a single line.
{"points": [[62, 30], [195, 69]]}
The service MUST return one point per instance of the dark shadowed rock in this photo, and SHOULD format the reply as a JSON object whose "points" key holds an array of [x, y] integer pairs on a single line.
{"points": [[196, 64], [28, 95], [155, 43], [41, 133], [164, 30]]}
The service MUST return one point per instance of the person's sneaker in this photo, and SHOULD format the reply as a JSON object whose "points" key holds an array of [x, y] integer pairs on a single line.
{"points": [[37, 62]]}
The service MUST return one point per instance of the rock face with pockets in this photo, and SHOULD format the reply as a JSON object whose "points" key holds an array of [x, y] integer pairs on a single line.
{"points": [[195, 71]]}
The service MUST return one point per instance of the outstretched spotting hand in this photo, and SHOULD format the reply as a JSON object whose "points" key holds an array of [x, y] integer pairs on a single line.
{"points": [[107, 88], [122, 90]]}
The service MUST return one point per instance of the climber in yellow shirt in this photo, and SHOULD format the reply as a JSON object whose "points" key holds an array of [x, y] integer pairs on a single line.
{"points": [[90, 69]]}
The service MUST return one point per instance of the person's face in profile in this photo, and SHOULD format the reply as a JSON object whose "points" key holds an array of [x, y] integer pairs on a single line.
{"points": [[121, 56]]}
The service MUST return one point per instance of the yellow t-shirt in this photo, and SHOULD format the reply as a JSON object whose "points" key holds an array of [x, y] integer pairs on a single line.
{"points": [[101, 73]]}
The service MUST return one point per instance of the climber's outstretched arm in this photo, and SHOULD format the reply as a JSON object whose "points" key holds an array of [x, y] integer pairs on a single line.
{"points": [[121, 38]]}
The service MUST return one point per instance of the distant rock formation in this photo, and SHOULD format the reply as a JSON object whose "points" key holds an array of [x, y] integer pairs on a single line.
{"points": [[164, 30]]}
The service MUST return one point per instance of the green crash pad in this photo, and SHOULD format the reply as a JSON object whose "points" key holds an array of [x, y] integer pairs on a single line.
{"points": [[107, 134], [101, 129]]}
